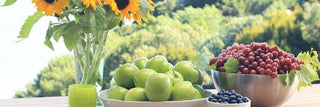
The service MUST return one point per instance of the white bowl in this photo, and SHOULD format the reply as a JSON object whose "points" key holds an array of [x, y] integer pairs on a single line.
{"points": [[187, 103], [213, 104]]}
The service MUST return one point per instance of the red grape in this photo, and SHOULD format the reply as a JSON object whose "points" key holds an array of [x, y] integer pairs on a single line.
{"points": [[258, 58], [246, 63], [274, 74], [222, 69], [251, 58], [261, 71], [255, 64], [253, 72], [245, 70], [287, 61], [262, 64], [268, 71]]}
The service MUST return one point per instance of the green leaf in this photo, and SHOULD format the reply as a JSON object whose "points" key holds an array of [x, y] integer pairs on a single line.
{"points": [[200, 61], [57, 32], [308, 71], [231, 65], [288, 78], [214, 66], [71, 35], [9, 2], [48, 43], [112, 19], [28, 24]]}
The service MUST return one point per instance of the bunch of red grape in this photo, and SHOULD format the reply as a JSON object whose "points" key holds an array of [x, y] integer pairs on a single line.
{"points": [[258, 58]]}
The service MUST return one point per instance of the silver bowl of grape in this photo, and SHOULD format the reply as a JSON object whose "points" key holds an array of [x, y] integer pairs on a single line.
{"points": [[263, 90]]}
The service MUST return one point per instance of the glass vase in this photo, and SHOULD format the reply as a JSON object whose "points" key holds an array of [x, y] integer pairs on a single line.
{"points": [[88, 55], [89, 52]]}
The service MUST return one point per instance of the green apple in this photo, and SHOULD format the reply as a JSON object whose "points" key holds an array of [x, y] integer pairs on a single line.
{"points": [[140, 62], [184, 91], [200, 89], [158, 63], [112, 82], [116, 93], [136, 94], [175, 77], [124, 76], [141, 77], [170, 66], [158, 87], [187, 70], [200, 77]]}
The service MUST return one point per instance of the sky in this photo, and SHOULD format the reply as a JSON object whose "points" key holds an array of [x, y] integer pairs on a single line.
{"points": [[20, 62]]}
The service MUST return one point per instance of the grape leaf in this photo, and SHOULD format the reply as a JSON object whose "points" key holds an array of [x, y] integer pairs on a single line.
{"points": [[213, 66], [200, 61], [231, 65], [308, 71]]}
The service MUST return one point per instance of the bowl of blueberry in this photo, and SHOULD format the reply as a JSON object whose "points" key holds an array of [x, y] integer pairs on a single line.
{"points": [[266, 74], [226, 98]]}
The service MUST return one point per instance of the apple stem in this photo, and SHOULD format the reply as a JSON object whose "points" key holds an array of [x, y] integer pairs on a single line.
{"points": [[174, 73]]}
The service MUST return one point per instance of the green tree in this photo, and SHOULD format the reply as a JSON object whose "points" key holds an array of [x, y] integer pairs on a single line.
{"points": [[311, 25], [52, 80], [281, 28], [177, 37]]}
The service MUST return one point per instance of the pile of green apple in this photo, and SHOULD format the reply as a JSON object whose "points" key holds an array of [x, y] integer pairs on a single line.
{"points": [[156, 80]]}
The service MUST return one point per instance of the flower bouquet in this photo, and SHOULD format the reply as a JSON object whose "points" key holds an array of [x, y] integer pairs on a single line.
{"points": [[84, 26]]}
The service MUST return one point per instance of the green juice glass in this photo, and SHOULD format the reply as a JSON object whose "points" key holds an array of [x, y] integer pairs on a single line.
{"points": [[82, 95]]}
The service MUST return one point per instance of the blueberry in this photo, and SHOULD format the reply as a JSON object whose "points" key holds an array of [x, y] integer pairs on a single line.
{"points": [[233, 92], [225, 99], [225, 95], [217, 97], [215, 100], [228, 93], [222, 90], [239, 99], [233, 101], [224, 102], [232, 97], [239, 96], [210, 98], [245, 99]]}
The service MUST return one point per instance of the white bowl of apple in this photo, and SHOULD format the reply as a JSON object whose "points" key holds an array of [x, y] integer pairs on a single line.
{"points": [[156, 83]]}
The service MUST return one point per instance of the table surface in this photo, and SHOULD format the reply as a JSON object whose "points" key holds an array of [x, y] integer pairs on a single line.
{"points": [[307, 97]]}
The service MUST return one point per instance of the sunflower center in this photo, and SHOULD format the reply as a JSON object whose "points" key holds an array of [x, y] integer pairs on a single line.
{"points": [[51, 1], [121, 4]]}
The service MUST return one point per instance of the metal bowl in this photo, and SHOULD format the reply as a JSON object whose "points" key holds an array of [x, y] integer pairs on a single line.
{"points": [[263, 90], [186, 103]]}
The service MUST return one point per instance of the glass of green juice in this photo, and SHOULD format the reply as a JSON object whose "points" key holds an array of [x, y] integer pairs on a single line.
{"points": [[82, 95]]}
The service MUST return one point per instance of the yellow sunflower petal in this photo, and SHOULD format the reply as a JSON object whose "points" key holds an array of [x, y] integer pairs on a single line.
{"points": [[50, 8], [131, 10], [92, 3]]}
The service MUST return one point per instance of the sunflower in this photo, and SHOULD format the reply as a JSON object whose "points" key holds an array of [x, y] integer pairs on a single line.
{"points": [[137, 17], [92, 3], [125, 7], [51, 6]]}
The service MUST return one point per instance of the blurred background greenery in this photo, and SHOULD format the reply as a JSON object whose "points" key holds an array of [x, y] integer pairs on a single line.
{"points": [[181, 29]]}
